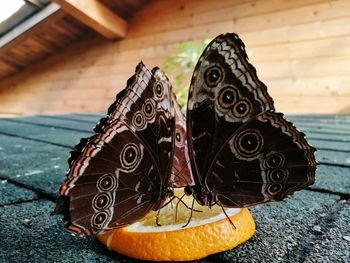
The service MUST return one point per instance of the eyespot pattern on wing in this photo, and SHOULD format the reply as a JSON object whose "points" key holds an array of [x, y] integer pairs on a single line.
{"points": [[274, 189], [107, 182], [148, 109], [227, 97], [179, 140], [130, 156], [159, 90], [101, 201], [139, 120], [100, 219], [241, 108], [274, 160], [278, 175], [248, 143], [213, 76]]}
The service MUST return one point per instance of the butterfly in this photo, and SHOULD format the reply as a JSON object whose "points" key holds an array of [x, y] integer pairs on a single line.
{"points": [[233, 149], [123, 171], [242, 152]]}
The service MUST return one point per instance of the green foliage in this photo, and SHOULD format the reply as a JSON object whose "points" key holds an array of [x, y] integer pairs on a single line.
{"points": [[180, 65]]}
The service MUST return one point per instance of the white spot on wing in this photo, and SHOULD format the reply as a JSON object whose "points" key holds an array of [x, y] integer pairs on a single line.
{"points": [[219, 164], [164, 139], [218, 178], [137, 187], [200, 135], [139, 200], [121, 129]]}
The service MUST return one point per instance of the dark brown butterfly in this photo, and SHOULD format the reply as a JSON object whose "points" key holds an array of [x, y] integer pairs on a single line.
{"points": [[122, 172], [242, 152]]}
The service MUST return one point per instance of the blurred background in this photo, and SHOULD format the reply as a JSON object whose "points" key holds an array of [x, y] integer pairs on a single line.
{"points": [[66, 56]]}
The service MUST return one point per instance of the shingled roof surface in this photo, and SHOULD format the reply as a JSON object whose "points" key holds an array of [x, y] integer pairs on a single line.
{"points": [[311, 226]]}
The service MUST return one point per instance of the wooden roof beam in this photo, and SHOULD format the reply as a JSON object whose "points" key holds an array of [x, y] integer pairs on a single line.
{"points": [[97, 16]]}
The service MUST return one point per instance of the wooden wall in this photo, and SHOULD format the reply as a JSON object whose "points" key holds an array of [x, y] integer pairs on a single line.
{"points": [[301, 49]]}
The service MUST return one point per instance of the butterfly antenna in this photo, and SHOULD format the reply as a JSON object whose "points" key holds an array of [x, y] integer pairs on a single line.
{"points": [[174, 181], [179, 173], [229, 219]]}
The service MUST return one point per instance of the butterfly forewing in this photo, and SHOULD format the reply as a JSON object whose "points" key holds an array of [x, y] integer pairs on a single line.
{"points": [[225, 92], [118, 175]]}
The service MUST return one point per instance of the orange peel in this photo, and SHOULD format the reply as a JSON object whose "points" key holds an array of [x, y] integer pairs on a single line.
{"points": [[209, 232]]}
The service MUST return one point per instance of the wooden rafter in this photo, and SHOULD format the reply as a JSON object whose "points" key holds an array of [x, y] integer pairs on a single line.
{"points": [[95, 15]]}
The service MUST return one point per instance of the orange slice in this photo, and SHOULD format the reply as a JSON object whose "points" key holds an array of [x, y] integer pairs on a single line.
{"points": [[209, 232]]}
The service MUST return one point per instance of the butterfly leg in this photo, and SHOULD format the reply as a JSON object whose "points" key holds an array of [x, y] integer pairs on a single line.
{"points": [[177, 205], [157, 217], [172, 197], [181, 201], [229, 219], [189, 219]]}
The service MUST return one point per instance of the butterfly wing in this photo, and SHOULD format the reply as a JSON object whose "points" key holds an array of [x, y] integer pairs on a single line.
{"points": [[266, 159], [181, 174], [225, 97], [148, 106], [118, 175]]}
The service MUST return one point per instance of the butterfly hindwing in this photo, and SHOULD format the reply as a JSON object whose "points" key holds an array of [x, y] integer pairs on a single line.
{"points": [[118, 175], [267, 159], [101, 178]]}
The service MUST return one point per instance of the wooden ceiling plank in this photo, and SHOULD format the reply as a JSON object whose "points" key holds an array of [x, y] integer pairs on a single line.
{"points": [[6, 68], [69, 28], [74, 25], [97, 16], [37, 45], [51, 39]]}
